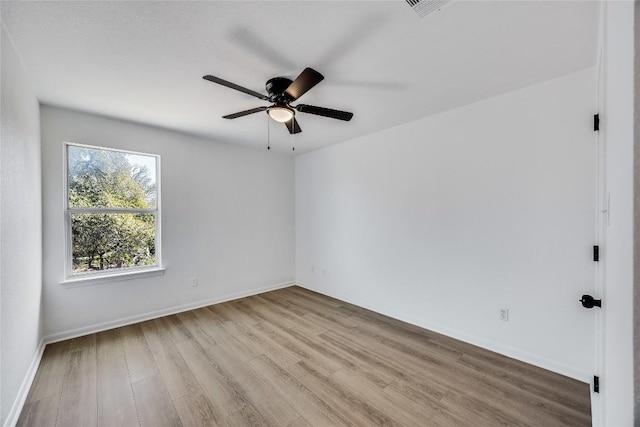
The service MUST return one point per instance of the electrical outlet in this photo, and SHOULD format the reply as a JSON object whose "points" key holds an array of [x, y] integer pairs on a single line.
{"points": [[194, 282], [504, 314]]}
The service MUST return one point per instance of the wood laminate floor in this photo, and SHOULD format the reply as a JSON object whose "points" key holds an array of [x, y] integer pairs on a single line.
{"points": [[291, 357]]}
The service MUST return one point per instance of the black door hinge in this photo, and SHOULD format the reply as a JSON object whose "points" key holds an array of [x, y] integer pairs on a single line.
{"points": [[596, 253], [596, 384], [596, 122]]}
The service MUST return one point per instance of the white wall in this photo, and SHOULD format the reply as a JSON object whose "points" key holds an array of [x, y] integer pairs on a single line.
{"points": [[617, 376], [227, 219], [443, 221], [20, 232]]}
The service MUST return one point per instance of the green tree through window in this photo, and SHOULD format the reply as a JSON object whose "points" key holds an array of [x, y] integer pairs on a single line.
{"points": [[112, 209]]}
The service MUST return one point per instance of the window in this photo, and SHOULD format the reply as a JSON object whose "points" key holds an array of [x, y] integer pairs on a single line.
{"points": [[112, 217]]}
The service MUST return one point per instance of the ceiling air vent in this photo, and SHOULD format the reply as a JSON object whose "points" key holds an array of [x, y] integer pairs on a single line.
{"points": [[426, 7]]}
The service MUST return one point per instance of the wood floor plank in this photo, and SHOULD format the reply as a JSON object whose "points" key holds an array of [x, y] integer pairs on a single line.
{"points": [[154, 405], [221, 333], [528, 404], [230, 312], [422, 404], [358, 412], [39, 413], [303, 305], [342, 355], [178, 331], [86, 342], [319, 299], [314, 409], [260, 345], [203, 336], [289, 348], [491, 391], [109, 344], [363, 338], [195, 410], [515, 374], [388, 336], [177, 376], [296, 343], [78, 399], [331, 323], [272, 406], [394, 326], [280, 300], [291, 357], [422, 371], [245, 417], [222, 393], [116, 406], [288, 317], [138, 356], [50, 374], [376, 368], [299, 422], [473, 410], [365, 391]]}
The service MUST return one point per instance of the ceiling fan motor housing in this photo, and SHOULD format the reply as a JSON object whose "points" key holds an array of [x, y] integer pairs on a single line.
{"points": [[276, 88]]}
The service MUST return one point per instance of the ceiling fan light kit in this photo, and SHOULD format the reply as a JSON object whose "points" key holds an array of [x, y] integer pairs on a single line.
{"points": [[280, 113], [281, 93]]}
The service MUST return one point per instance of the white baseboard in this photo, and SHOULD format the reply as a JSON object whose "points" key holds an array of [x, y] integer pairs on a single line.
{"points": [[21, 398], [508, 351], [74, 333]]}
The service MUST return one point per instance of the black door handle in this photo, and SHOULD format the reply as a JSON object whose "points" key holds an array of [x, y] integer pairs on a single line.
{"points": [[589, 302]]}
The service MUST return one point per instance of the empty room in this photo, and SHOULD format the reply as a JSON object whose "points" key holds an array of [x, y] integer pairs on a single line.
{"points": [[318, 213]]}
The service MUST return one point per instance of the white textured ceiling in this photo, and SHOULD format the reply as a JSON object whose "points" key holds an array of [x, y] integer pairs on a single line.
{"points": [[144, 61]]}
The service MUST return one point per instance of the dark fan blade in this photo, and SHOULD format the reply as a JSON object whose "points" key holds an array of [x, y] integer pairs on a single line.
{"points": [[244, 113], [235, 86], [326, 112], [292, 126], [305, 81]]}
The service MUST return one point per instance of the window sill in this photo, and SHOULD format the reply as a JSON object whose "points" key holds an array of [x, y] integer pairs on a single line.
{"points": [[115, 277]]}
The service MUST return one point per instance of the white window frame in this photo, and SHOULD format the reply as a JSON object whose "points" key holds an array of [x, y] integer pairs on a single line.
{"points": [[114, 274]]}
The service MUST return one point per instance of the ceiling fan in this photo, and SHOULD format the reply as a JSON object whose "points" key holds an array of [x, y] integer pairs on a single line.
{"points": [[281, 93]]}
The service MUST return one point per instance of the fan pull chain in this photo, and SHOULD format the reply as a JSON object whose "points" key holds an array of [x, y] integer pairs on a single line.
{"points": [[293, 135], [268, 133]]}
